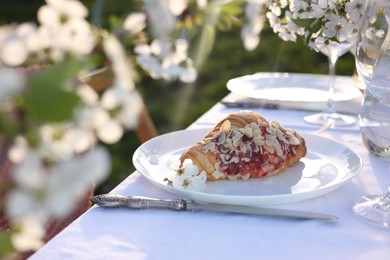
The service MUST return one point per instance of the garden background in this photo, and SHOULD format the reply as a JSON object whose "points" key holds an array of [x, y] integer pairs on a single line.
{"points": [[167, 102]]}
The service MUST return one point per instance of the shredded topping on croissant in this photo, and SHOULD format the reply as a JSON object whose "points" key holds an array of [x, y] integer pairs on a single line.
{"points": [[245, 145], [257, 149]]}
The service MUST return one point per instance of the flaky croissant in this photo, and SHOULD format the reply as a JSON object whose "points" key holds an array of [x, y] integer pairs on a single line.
{"points": [[245, 145]]}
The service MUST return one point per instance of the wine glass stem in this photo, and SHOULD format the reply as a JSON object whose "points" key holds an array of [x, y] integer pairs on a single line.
{"points": [[332, 74]]}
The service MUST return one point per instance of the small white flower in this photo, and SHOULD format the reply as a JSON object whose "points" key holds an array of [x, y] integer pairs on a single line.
{"points": [[337, 19], [131, 109], [250, 31], [338, 27], [29, 33], [194, 183], [50, 190], [87, 94], [188, 75], [99, 120], [113, 97], [69, 180], [355, 9], [18, 150], [82, 140], [120, 64], [30, 236], [202, 4], [188, 168], [76, 37], [13, 52], [135, 22], [30, 173], [187, 177], [250, 39], [166, 60], [20, 202], [177, 6], [128, 105], [54, 145], [52, 14], [72, 8], [160, 17], [49, 16], [64, 29], [111, 132]]}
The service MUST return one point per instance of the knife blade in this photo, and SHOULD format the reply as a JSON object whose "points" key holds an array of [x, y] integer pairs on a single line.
{"points": [[140, 202]]}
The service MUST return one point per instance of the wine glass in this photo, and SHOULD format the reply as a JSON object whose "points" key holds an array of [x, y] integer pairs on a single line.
{"points": [[333, 50], [373, 66]]}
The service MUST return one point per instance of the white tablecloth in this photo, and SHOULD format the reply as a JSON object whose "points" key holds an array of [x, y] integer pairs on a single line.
{"points": [[162, 234]]}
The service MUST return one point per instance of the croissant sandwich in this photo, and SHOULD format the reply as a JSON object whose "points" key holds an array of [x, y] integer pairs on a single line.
{"points": [[245, 145]]}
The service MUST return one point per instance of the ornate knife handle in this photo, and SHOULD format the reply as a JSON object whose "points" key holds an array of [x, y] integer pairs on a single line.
{"points": [[137, 202]]}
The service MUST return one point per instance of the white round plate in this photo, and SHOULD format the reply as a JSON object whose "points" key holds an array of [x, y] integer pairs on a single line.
{"points": [[326, 167], [293, 87]]}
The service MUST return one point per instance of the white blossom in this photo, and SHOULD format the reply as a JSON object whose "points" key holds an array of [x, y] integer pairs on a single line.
{"points": [[48, 190], [319, 21], [64, 28], [202, 4], [135, 22], [188, 177], [62, 141], [13, 51], [97, 120], [110, 132], [122, 96], [87, 94], [55, 11], [338, 27], [251, 30], [131, 108], [161, 18], [128, 105], [76, 37], [120, 64], [30, 235], [166, 60], [29, 33], [355, 9], [177, 6]]}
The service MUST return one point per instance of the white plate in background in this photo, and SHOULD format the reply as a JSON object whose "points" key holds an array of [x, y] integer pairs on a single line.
{"points": [[293, 87]]}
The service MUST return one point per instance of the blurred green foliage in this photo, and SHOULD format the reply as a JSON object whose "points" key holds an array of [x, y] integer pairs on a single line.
{"points": [[164, 100]]}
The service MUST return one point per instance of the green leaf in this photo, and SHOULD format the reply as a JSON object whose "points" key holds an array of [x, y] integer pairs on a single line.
{"points": [[6, 247], [8, 126], [315, 27], [46, 99], [52, 104], [304, 22], [233, 8], [226, 22]]}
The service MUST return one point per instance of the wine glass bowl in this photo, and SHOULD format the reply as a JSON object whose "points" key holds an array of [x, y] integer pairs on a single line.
{"points": [[333, 50], [373, 67]]}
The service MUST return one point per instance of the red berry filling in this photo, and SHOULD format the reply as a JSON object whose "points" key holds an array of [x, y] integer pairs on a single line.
{"points": [[253, 151]]}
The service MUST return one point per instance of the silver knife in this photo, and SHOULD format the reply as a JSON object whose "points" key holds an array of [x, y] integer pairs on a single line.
{"points": [[140, 202]]}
